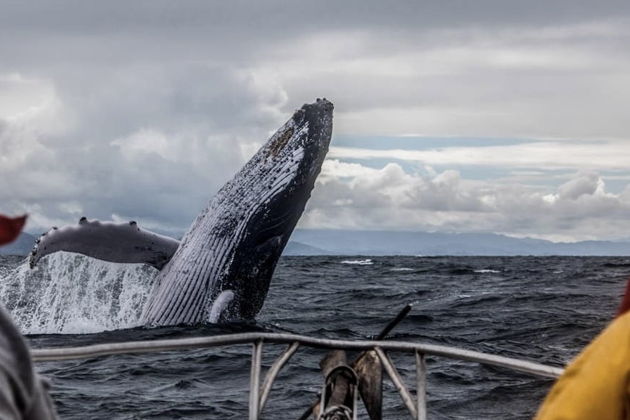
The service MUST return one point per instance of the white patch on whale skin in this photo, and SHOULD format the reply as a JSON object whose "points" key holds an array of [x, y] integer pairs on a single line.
{"points": [[220, 304]]}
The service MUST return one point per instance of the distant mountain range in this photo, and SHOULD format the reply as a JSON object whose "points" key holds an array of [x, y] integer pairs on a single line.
{"points": [[350, 242]]}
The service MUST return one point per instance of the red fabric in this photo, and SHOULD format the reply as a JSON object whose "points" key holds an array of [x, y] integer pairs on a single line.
{"points": [[10, 228], [625, 303]]}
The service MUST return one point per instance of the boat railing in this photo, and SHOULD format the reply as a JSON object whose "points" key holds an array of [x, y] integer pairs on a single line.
{"points": [[259, 394]]}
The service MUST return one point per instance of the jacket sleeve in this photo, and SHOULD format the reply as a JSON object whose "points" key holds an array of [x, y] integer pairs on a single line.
{"points": [[23, 394], [595, 384]]}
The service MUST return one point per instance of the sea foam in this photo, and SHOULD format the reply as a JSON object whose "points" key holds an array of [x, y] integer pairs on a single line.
{"points": [[358, 262], [73, 294]]}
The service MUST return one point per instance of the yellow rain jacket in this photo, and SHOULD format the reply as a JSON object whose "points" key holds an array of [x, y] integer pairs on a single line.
{"points": [[596, 385]]}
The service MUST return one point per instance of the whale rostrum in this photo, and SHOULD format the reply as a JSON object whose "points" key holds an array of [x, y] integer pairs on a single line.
{"points": [[222, 267]]}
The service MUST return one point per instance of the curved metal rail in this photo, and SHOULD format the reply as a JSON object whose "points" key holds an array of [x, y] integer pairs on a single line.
{"points": [[259, 395]]}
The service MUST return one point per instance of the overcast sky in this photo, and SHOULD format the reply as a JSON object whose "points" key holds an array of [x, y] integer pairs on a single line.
{"points": [[456, 116]]}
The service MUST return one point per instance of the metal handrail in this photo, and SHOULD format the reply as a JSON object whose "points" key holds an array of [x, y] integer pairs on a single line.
{"points": [[258, 396]]}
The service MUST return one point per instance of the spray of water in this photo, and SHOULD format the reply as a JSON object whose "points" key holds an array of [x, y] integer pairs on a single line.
{"points": [[74, 294]]}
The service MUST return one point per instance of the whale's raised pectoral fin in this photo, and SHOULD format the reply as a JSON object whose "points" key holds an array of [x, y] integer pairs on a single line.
{"points": [[109, 241]]}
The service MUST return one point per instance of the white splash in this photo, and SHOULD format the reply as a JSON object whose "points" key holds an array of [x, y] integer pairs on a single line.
{"points": [[73, 294], [358, 262], [401, 269], [486, 270]]}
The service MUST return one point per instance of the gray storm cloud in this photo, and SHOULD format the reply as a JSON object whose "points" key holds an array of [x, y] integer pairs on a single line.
{"points": [[142, 110], [132, 147]]}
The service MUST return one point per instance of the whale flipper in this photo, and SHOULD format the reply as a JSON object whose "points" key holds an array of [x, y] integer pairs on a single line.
{"points": [[109, 241], [219, 306]]}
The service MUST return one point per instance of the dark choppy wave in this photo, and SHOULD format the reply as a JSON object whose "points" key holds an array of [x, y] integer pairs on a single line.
{"points": [[540, 309]]}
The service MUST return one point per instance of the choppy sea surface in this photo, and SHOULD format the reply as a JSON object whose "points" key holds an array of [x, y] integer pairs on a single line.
{"points": [[543, 309]]}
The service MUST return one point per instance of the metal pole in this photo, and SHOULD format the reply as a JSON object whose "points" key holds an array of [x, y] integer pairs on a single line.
{"points": [[421, 390], [398, 382], [255, 380], [96, 350], [273, 372], [389, 327]]}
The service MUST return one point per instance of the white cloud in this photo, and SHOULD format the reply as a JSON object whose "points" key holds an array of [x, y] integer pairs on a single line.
{"points": [[389, 198]]}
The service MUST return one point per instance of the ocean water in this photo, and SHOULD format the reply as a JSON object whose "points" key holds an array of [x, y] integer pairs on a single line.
{"points": [[543, 309]]}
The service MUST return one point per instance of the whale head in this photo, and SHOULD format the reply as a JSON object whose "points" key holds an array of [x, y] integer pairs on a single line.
{"points": [[223, 267], [285, 169]]}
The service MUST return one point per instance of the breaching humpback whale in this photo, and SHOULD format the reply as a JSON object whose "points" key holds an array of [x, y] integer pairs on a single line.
{"points": [[222, 267]]}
